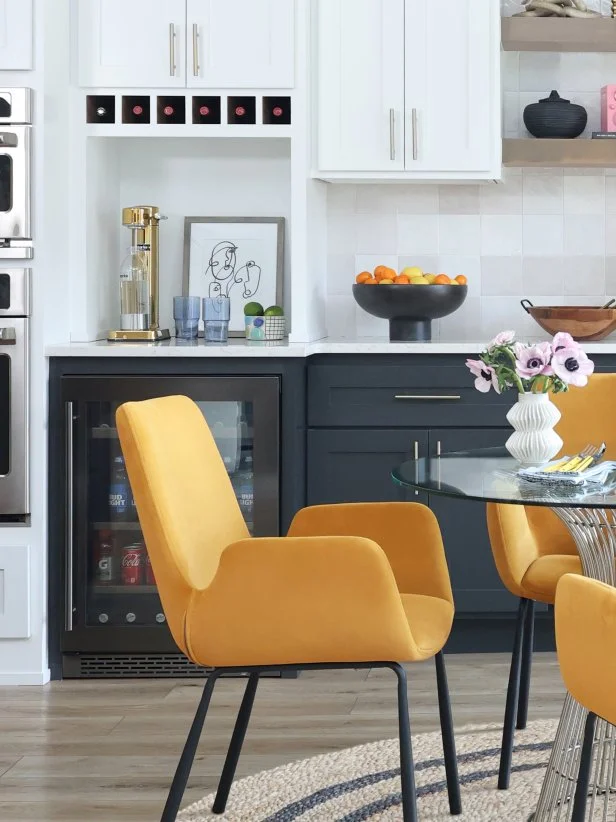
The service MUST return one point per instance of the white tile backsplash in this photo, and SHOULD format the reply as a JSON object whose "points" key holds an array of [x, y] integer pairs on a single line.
{"points": [[545, 234]]}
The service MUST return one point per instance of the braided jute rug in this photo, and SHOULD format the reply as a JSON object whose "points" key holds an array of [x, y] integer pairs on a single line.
{"points": [[363, 783]]}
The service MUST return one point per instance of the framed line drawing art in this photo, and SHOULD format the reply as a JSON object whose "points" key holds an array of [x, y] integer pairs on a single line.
{"points": [[237, 257]]}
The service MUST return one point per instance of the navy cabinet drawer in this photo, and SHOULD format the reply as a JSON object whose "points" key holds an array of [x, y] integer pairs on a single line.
{"points": [[426, 391]]}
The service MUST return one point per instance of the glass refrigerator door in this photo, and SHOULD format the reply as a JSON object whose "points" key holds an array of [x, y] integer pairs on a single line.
{"points": [[121, 589]]}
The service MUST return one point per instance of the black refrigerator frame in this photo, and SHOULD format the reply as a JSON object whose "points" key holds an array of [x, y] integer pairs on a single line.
{"points": [[80, 649]]}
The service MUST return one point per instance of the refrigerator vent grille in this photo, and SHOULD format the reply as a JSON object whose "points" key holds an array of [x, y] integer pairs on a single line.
{"points": [[138, 665]]}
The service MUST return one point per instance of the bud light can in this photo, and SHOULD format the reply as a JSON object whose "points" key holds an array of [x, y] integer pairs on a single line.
{"points": [[119, 492]]}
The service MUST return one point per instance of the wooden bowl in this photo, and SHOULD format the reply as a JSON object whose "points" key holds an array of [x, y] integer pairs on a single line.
{"points": [[584, 323]]}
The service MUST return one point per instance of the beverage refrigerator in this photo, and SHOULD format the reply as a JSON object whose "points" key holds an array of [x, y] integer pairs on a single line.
{"points": [[114, 624]]}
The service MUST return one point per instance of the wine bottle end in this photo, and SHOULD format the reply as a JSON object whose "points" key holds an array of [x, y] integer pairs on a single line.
{"points": [[277, 111], [204, 111], [137, 110], [240, 111], [168, 111]]}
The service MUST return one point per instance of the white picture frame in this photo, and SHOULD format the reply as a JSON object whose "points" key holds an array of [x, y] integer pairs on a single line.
{"points": [[237, 257]]}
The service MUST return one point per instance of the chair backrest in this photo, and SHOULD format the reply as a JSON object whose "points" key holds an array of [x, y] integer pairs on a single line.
{"points": [[586, 642], [588, 415], [184, 497]]}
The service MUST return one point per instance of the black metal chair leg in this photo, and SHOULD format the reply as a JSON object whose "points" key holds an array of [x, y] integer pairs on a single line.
{"points": [[178, 786], [527, 661], [583, 780], [235, 747], [511, 707], [449, 743], [407, 775]]}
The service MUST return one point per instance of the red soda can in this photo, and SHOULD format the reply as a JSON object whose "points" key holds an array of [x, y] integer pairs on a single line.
{"points": [[149, 573], [132, 563]]}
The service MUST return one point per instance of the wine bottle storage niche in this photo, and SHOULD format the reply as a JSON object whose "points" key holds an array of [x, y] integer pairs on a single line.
{"points": [[180, 109]]}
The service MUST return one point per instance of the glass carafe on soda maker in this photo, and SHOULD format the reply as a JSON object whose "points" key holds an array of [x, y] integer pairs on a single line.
{"points": [[134, 291]]}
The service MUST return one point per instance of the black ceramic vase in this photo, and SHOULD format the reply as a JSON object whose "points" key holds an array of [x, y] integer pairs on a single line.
{"points": [[555, 117]]}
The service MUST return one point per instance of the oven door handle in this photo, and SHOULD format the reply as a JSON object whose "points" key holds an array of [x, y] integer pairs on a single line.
{"points": [[9, 139], [70, 489], [8, 336]]}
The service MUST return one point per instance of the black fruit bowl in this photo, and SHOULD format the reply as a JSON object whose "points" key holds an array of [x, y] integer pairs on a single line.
{"points": [[410, 309]]}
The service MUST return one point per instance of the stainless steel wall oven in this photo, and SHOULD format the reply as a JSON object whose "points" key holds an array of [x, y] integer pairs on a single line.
{"points": [[15, 172], [14, 390]]}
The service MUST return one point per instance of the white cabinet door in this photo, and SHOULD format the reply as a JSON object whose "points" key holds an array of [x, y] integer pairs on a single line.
{"points": [[452, 84], [124, 44], [16, 35], [361, 85], [240, 43]]}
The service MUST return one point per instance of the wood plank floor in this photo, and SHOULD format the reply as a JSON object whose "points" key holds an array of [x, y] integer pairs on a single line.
{"points": [[105, 751]]}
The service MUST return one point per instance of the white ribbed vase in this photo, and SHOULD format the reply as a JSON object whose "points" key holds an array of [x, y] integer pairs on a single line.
{"points": [[534, 440]]}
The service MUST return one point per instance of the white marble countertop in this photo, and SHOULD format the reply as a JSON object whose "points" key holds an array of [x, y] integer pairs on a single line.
{"points": [[245, 348]]}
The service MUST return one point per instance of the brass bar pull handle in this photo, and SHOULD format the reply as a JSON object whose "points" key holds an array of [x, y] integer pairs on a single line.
{"points": [[196, 66], [427, 397], [70, 488], [392, 134], [414, 128], [172, 65]]}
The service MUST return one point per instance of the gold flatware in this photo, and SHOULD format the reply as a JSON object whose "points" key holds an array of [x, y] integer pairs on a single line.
{"points": [[570, 463], [592, 460]]}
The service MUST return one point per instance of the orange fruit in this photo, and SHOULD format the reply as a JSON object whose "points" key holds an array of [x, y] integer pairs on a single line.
{"points": [[386, 281], [380, 271], [371, 281], [461, 279], [442, 279], [363, 276], [391, 274], [402, 279]]}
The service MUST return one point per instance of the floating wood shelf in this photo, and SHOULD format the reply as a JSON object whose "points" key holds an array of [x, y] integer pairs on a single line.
{"points": [[580, 153], [558, 34]]}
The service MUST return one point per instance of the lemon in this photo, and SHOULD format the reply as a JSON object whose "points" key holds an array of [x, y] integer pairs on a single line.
{"points": [[412, 271], [430, 278], [385, 281]]}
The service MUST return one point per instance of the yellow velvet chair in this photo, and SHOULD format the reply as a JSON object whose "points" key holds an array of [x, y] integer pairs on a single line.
{"points": [[586, 642], [532, 548], [351, 586]]}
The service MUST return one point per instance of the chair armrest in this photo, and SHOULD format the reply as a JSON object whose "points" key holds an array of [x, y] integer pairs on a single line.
{"points": [[289, 600], [408, 532]]}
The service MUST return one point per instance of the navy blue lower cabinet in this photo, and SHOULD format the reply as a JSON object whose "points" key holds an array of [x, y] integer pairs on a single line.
{"points": [[354, 465], [476, 585]]}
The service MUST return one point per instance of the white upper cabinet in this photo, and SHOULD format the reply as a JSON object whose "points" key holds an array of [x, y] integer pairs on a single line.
{"points": [[16, 35], [124, 44], [450, 69], [361, 85], [240, 44], [409, 89]]}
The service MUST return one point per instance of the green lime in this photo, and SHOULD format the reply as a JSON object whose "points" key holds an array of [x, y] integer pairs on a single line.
{"points": [[274, 311], [253, 310]]}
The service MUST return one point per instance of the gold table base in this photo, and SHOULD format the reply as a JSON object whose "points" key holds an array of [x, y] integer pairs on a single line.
{"points": [[594, 532]]}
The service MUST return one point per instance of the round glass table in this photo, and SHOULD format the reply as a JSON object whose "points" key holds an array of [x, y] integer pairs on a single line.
{"points": [[490, 475]]}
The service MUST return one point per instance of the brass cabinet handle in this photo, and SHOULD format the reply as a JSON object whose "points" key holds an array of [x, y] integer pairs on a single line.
{"points": [[392, 134], [414, 125], [427, 397], [172, 66], [196, 66]]}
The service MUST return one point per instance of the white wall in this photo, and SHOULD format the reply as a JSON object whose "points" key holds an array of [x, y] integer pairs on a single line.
{"points": [[184, 177]]}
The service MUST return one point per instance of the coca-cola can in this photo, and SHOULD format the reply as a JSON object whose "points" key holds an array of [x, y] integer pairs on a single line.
{"points": [[132, 563], [149, 573]]}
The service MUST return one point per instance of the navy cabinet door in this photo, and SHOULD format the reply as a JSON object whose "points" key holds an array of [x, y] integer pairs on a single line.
{"points": [[476, 585], [354, 465]]}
